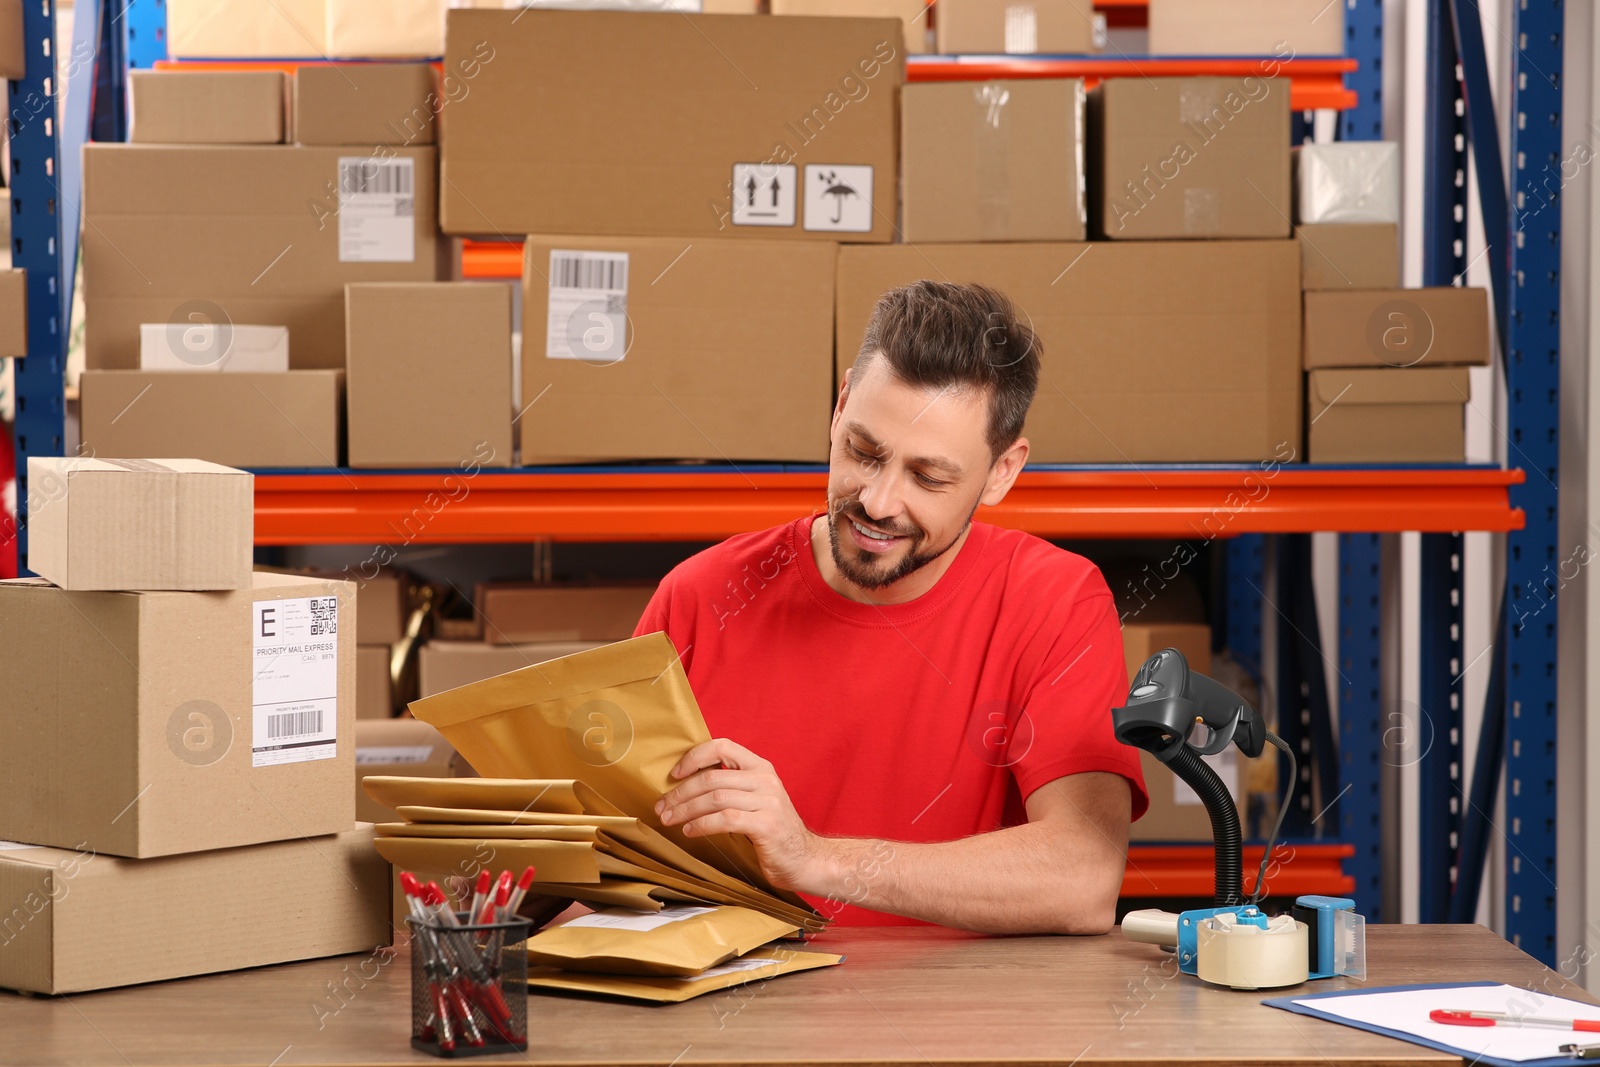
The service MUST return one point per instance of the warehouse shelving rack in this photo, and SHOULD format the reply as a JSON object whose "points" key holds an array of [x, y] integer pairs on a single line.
{"points": [[1162, 501]]}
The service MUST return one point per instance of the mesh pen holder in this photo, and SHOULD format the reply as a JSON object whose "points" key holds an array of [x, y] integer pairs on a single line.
{"points": [[469, 988]]}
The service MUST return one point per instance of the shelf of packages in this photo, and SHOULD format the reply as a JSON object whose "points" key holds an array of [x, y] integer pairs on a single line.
{"points": [[709, 503], [1296, 868]]}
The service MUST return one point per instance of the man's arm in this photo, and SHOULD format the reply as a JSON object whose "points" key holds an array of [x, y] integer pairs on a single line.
{"points": [[1058, 873]]}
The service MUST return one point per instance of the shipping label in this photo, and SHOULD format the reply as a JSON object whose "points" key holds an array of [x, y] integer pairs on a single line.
{"points": [[626, 919], [377, 209], [295, 680], [838, 198], [588, 312]]}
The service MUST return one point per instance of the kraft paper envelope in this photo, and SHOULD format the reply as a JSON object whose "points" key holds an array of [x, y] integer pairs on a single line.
{"points": [[489, 833], [681, 941], [618, 718], [562, 861], [757, 966], [619, 893], [644, 846], [504, 794]]}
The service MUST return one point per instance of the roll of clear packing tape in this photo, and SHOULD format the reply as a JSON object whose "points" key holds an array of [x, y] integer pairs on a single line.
{"points": [[1247, 957]]}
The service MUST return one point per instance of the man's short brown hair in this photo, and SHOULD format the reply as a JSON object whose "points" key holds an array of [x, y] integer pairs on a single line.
{"points": [[937, 335]]}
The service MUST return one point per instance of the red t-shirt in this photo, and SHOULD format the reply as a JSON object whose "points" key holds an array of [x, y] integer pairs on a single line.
{"points": [[926, 721]]}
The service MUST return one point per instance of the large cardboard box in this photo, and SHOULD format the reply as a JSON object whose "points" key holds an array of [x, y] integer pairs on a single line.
{"points": [[1006, 26], [992, 161], [662, 348], [913, 15], [444, 665], [1176, 812], [521, 612], [1349, 255], [401, 747], [1387, 415], [263, 235], [140, 523], [365, 104], [692, 125], [1281, 28], [1182, 351], [246, 29], [429, 374], [72, 920], [240, 420], [13, 53], [206, 107], [373, 29], [1347, 181], [374, 691], [13, 312], [147, 724], [1446, 325], [1189, 157]]}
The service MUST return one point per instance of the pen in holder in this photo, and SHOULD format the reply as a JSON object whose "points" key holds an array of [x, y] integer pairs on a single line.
{"points": [[469, 987]]}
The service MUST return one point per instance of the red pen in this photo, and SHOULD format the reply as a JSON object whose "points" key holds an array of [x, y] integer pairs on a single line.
{"points": [[1500, 1018], [523, 885], [481, 894]]}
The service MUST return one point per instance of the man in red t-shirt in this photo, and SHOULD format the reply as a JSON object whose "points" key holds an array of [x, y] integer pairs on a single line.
{"points": [[912, 710]]}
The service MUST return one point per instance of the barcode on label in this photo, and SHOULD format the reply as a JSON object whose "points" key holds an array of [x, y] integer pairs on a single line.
{"points": [[582, 270], [289, 724], [324, 615], [383, 177]]}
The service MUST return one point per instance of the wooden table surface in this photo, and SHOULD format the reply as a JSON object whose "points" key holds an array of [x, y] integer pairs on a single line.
{"points": [[904, 996]]}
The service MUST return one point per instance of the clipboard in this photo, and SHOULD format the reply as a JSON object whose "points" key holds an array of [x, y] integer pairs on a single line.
{"points": [[1469, 1055]]}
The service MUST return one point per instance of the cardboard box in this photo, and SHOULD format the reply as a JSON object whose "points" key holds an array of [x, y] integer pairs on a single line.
{"points": [[445, 665], [1189, 157], [523, 612], [1349, 255], [658, 363], [365, 104], [13, 52], [1446, 325], [1281, 28], [213, 911], [1182, 351], [206, 234], [429, 374], [1387, 415], [240, 420], [380, 598], [1176, 812], [140, 523], [213, 347], [205, 107], [992, 161], [384, 29], [246, 29], [1347, 181], [148, 724], [617, 90], [13, 313], [913, 15], [374, 692], [1005, 26], [403, 747]]}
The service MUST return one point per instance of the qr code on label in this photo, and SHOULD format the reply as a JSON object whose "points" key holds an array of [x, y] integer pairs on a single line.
{"points": [[324, 615]]}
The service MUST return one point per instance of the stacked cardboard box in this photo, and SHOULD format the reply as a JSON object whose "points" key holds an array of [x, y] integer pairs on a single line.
{"points": [[678, 292], [1387, 377], [161, 741], [13, 313], [1006, 26], [1281, 28]]}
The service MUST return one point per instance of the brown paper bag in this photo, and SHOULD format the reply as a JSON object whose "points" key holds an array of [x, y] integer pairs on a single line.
{"points": [[683, 940], [618, 718], [758, 966]]}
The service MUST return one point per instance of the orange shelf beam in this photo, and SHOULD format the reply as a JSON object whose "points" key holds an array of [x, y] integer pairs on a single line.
{"points": [[1196, 504], [1314, 84], [1190, 870]]}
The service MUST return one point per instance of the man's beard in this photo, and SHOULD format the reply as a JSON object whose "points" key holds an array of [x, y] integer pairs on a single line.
{"points": [[868, 571]]}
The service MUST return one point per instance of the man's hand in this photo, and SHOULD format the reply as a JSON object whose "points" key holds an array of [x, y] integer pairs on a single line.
{"points": [[731, 790]]}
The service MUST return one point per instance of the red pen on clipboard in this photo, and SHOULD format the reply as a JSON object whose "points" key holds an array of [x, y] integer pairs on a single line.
{"points": [[1500, 1018]]}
